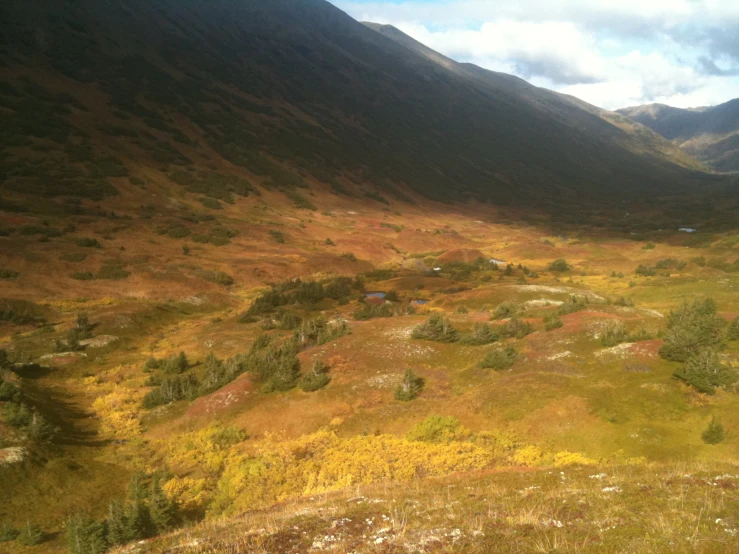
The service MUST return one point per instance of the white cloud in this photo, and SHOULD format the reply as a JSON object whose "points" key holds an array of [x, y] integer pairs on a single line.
{"points": [[612, 53]]}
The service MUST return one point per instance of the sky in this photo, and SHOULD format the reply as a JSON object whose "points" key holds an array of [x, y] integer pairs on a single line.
{"points": [[611, 53]]}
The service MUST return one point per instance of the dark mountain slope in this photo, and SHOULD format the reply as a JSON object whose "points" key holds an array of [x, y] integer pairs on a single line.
{"points": [[709, 134], [274, 93]]}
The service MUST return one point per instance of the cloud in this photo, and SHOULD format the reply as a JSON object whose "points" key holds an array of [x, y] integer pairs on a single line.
{"points": [[611, 53]]}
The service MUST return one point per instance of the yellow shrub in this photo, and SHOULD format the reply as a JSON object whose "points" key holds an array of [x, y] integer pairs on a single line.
{"points": [[572, 458], [530, 456], [119, 414], [205, 450], [323, 462], [189, 493]]}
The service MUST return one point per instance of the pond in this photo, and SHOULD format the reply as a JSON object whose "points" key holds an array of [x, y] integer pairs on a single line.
{"points": [[420, 302], [375, 295]]}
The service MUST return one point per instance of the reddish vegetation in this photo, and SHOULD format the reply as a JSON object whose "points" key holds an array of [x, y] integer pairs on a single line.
{"points": [[647, 348], [222, 399], [466, 255]]}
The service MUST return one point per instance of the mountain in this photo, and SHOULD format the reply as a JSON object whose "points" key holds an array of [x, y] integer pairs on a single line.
{"points": [[710, 134], [221, 96]]}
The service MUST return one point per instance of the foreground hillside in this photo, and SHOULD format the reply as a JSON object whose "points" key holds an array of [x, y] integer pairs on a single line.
{"points": [[709, 134], [530, 366]]}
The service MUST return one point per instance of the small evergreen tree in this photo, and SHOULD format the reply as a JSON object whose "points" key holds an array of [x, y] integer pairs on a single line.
{"points": [[705, 372], [732, 333], [84, 535], [482, 333], [504, 310], [30, 535], [316, 379], [117, 524], [499, 359], [436, 328], [559, 265], [714, 433], [8, 532], [164, 512], [84, 328], [183, 362], [410, 388]]}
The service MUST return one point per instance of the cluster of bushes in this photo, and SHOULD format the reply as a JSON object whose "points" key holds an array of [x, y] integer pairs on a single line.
{"points": [[515, 328], [504, 310], [218, 277], [8, 274], [694, 335], [320, 330], [559, 265], [144, 513], [113, 271], [552, 322], [17, 413], [21, 312], [370, 311], [213, 185], [482, 333], [499, 359], [572, 304], [304, 293], [438, 329], [316, 378], [614, 333]]}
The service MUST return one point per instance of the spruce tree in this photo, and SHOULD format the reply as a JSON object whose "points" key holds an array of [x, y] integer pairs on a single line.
{"points": [[410, 388], [732, 333], [117, 524], [183, 362], [705, 372], [84, 535], [30, 535], [715, 433], [84, 329], [164, 512], [138, 521], [8, 532]]}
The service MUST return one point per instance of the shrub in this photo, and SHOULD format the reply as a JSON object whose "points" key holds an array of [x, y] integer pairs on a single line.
{"points": [[410, 388], [88, 243], [349, 256], [691, 328], [649, 246], [645, 271], [316, 379], [8, 532], [613, 333], [219, 278], [552, 323], [504, 310], [74, 257], [320, 331], [30, 535], [436, 328], [461, 310], [439, 430], [705, 372], [515, 328], [499, 359], [559, 265], [211, 203], [329, 242], [277, 236], [482, 333], [82, 276], [732, 332], [571, 305], [171, 389], [369, 311], [714, 433], [112, 272]]}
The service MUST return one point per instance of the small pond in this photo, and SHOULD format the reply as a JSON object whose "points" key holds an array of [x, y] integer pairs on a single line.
{"points": [[420, 302], [375, 295]]}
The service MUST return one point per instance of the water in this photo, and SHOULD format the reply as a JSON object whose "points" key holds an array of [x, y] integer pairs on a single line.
{"points": [[375, 295], [421, 302]]}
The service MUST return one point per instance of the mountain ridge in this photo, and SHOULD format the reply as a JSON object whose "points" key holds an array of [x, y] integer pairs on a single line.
{"points": [[708, 133]]}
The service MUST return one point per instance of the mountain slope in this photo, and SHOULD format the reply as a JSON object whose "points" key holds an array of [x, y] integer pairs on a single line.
{"points": [[568, 110], [285, 94], [709, 134]]}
